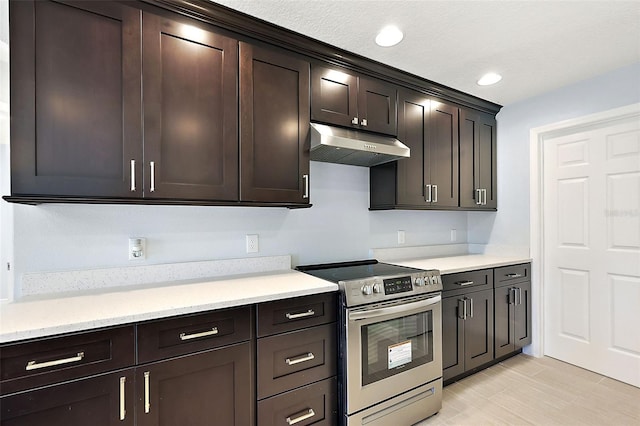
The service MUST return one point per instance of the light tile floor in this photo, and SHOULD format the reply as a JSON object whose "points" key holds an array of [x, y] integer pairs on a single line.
{"points": [[524, 390]]}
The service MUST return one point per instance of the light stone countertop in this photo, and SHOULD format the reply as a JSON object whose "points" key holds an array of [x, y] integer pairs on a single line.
{"points": [[46, 316], [462, 263]]}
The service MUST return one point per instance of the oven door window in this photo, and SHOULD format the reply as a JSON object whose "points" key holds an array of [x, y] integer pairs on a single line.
{"points": [[396, 345]]}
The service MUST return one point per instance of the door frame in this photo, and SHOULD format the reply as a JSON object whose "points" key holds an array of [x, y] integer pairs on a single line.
{"points": [[538, 136]]}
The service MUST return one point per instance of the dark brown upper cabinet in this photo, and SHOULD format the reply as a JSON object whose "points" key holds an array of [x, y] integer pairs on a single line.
{"points": [[190, 112], [429, 178], [348, 100], [478, 179], [75, 98], [274, 126]]}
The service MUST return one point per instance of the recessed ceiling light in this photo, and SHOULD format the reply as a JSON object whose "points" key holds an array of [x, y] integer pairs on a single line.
{"points": [[489, 79], [389, 36]]}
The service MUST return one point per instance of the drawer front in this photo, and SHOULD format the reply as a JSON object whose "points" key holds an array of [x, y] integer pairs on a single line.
{"points": [[53, 360], [297, 313], [183, 335], [464, 282], [509, 274], [314, 404], [294, 359]]}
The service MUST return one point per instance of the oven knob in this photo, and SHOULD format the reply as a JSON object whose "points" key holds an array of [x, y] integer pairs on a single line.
{"points": [[366, 289], [377, 288], [419, 282]]}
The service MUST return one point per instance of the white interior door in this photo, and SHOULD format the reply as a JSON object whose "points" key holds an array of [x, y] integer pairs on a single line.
{"points": [[591, 247]]}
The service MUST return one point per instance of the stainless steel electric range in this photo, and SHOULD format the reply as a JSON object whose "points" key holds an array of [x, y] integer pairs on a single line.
{"points": [[390, 341]]}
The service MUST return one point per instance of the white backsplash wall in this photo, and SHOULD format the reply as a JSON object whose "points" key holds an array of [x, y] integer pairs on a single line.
{"points": [[338, 227]]}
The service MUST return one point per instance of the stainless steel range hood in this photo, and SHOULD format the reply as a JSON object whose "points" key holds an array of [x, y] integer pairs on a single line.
{"points": [[344, 146]]}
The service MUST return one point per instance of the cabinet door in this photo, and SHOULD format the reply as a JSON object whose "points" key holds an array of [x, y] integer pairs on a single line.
{"points": [[274, 120], [377, 106], [478, 329], [452, 338], [522, 316], [503, 326], [209, 388], [190, 112], [441, 170], [75, 99], [105, 400], [478, 179], [334, 97], [412, 131]]}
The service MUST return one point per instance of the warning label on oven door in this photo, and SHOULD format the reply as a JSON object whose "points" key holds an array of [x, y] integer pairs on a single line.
{"points": [[399, 354]]}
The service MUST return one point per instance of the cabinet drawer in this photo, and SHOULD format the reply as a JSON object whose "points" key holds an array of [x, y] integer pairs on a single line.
{"points": [[464, 282], [183, 335], [53, 360], [295, 359], [508, 274], [293, 314], [314, 404]]}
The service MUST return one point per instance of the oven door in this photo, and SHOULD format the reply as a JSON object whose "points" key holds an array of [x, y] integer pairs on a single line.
{"points": [[392, 347]]}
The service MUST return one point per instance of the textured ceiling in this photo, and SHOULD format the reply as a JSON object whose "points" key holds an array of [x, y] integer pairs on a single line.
{"points": [[536, 45]]}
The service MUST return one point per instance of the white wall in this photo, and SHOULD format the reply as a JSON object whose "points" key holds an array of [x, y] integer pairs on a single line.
{"points": [[338, 227], [510, 225]]}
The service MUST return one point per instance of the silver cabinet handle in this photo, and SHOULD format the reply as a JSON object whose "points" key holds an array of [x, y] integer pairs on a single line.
{"points": [[307, 414], [152, 165], [147, 405], [133, 175], [484, 197], [354, 121], [519, 293], [435, 192], [427, 192], [462, 311], [293, 361], [470, 308], [305, 178], [478, 196], [463, 283], [511, 298], [35, 365], [123, 412], [212, 332], [514, 275], [364, 122], [309, 313]]}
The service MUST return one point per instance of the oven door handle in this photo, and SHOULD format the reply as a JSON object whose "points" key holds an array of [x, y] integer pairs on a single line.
{"points": [[391, 310]]}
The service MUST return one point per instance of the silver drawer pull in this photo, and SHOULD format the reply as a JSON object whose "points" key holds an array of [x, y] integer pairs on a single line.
{"points": [[123, 411], [34, 365], [133, 175], [463, 283], [309, 313], [514, 275], [152, 165], [212, 332], [147, 403], [307, 415], [303, 358]]}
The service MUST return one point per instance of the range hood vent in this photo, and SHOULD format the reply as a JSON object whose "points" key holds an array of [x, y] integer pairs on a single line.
{"points": [[344, 146]]}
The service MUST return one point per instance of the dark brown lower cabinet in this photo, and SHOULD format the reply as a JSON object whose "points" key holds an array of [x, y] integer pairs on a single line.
{"points": [[208, 388], [512, 318], [467, 330], [103, 400]]}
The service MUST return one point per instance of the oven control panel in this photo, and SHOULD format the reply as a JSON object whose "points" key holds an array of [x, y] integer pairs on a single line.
{"points": [[377, 289]]}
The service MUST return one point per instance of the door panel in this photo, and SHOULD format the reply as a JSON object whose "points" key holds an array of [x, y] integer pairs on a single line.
{"points": [[452, 339], [334, 96], [76, 91], [377, 103], [592, 255], [478, 160], [441, 159], [503, 326], [478, 330], [191, 124], [522, 317], [274, 139], [412, 131]]}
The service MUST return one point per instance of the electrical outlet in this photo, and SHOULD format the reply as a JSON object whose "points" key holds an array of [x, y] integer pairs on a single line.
{"points": [[252, 243], [454, 236], [400, 237], [137, 248]]}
